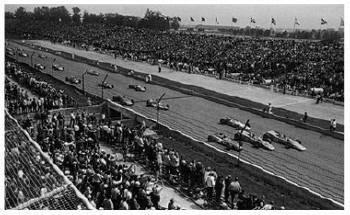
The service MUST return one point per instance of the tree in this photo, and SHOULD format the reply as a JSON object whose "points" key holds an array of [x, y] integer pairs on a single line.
{"points": [[76, 15], [21, 14], [9, 15]]}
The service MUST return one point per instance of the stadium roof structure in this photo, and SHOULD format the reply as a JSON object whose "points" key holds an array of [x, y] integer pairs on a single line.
{"points": [[32, 180]]}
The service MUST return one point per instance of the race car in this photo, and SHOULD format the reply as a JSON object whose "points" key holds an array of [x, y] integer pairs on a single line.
{"points": [[222, 139], [277, 137], [123, 100], [39, 66], [106, 85], [10, 52], [42, 56], [153, 103], [234, 123], [137, 87], [57, 67], [23, 54], [9, 49], [256, 142], [93, 72], [73, 80]]}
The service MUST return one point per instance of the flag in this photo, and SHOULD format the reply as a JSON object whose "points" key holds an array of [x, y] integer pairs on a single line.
{"points": [[178, 19], [234, 19], [191, 19], [252, 20], [273, 21], [341, 22], [217, 21], [203, 19], [323, 22], [296, 22]]}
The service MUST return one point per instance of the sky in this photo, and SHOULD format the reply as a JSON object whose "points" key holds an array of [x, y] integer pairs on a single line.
{"points": [[309, 15]]}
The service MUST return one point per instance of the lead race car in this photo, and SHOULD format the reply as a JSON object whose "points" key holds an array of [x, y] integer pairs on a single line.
{"points": [[154, 103], [222, 139], [39, 66], [256, 142], [234, 123], [280, 138], [123, 100], [137, 87], [105, 85]]}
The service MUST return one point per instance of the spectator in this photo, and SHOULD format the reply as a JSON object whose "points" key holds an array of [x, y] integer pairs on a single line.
{"points": [[269, 206], [210, 184], [235, 189], [171, 205]]}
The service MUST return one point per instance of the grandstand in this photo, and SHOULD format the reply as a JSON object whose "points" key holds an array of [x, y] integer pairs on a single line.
{"points": [[32, 180]]}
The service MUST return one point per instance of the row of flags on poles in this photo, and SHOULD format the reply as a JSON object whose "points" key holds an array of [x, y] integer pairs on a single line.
{"points": [[273, 20]]}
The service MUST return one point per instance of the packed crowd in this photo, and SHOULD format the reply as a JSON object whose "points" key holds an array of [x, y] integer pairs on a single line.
{"points": [[297, 65], [73, 143], [17, 99]]}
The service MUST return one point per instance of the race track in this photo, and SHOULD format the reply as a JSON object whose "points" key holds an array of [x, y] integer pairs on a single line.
{"points": [[320, 167]]}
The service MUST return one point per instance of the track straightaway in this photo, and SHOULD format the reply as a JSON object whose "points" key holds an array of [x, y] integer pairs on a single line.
{"points": [[320, 168]]}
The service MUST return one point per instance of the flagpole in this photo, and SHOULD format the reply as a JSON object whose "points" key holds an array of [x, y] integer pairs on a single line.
{"points": [[320, 29]]}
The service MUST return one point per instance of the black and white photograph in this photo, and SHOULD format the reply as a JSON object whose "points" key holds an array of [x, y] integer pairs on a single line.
{"points": [[173, 106]]}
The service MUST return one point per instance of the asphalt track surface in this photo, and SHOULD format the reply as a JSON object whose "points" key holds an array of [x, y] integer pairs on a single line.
{"points": [[319, 168], [297, 104]]}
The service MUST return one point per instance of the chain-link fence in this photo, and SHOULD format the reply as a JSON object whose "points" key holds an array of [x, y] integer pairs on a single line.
{"points": [[32, 180]]}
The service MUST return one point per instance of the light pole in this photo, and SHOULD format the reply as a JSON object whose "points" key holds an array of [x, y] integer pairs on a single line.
{"points": [[52, 66], [84, 81], [17, 54], [31, 58], [240, 142], [158, 102], [103, 84]]}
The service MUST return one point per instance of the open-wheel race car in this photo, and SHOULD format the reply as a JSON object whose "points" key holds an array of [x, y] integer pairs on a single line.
{"points": [[277, 137], [234, 123], [105, 85], [137, 87], [23, 54], [8, 52], [39, 66], [42, 56], [123, 100], [222, 139], [257, 142], [154, 103], [57, 67], [73, 80], [92, 72]]}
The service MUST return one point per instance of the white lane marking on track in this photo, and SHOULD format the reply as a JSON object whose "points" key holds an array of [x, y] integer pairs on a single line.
{"points": [[232, 155]]}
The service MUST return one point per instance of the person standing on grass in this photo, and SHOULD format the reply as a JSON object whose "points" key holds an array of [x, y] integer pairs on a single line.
{"points": [[270, 108], [333, 125], [305, 117], [159, 68], [235, 189]]}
